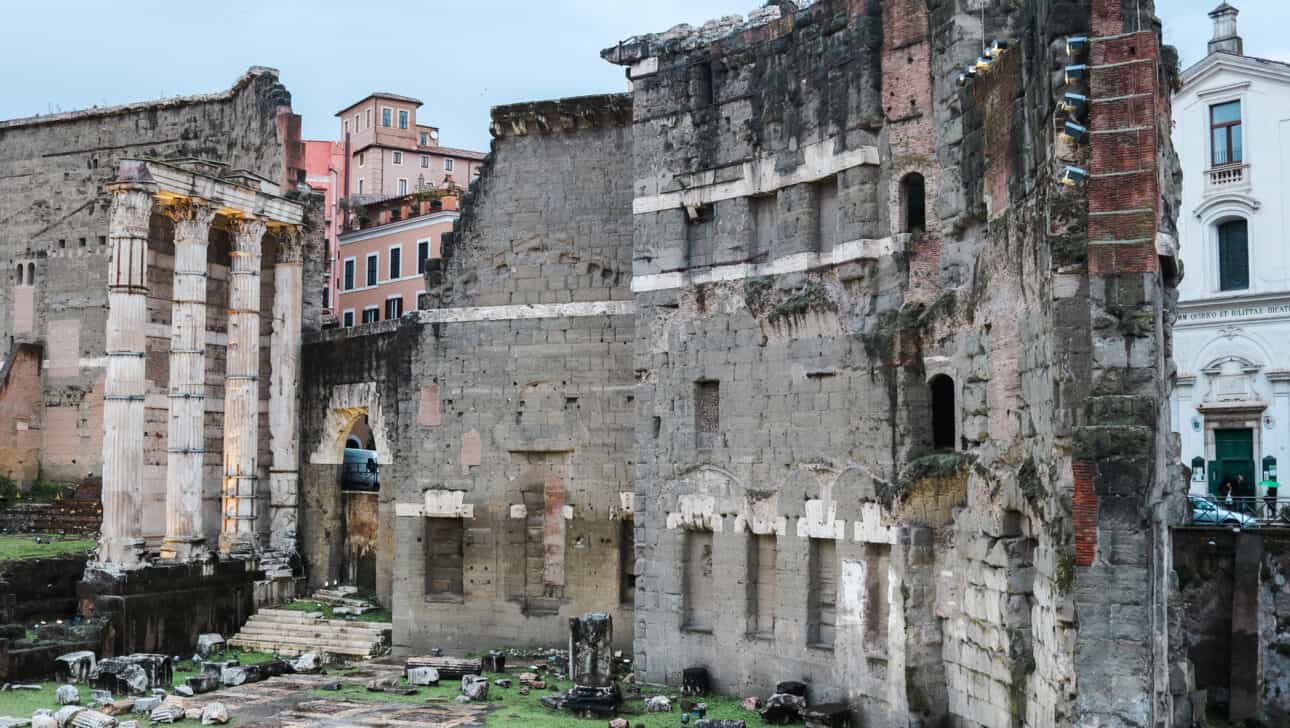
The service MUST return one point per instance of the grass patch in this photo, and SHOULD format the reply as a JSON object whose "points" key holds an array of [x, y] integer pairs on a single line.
{"points": [[13, 548], [304, 605], [509, 709]]}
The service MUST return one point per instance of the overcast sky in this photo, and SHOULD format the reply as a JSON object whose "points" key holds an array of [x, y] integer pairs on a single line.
{"points": [[460, 58]]}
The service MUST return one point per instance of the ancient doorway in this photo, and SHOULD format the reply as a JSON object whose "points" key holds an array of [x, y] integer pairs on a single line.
{"points": [[360, 486]]}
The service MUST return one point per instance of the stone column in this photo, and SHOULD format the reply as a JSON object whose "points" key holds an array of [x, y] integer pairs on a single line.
{"points": [[284, 384], [121, 545], [242, 392], [186, 451]]}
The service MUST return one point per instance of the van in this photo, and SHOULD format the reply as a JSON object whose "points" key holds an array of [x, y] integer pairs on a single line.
{"points": [[361, 470]]}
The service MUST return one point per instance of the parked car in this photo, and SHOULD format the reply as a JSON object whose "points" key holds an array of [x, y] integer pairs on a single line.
{"points": [[361, 470], [1205, 512]]}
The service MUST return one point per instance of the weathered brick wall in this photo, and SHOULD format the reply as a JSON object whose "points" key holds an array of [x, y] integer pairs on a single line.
{"points": [[53, 212], [20, 421]]}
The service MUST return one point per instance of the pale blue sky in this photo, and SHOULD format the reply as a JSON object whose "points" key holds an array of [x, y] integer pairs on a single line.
{"points": [[460, 58]]}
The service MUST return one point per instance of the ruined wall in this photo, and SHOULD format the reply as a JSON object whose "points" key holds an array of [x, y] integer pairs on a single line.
{"points": [[53, 216], [20, 410], [503, 412], [794, 325]]}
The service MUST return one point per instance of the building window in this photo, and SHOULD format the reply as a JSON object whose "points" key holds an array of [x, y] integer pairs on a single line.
{"points": [[943, 418], [403, 187], [698, 596], [372, 260], [387, 116], [1225, 133], [369, 118], [913, 198], [19, 274], [396, 263], [346, 123], [761, 585], [357, 125], [347, 319], [822, 596], [393, 308], [447, 165], [1233, 256], [445, 557], [371, 315], [707, 413], [425, 161], [423, 254], [398, 158], [403, 119], [877, 601], [424, 139], [360, 185], [349, 274], [362, 158], [326, 296]]}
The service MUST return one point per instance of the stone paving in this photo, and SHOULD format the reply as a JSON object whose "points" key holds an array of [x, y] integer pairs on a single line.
{"points": [[290, 702]]}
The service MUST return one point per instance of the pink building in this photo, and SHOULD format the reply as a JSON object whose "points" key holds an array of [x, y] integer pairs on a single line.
{"points": [[324, 161], [388, 154], [380, 274]]}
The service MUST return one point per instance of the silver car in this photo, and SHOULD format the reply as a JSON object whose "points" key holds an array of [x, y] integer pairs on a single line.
{"points": [[1205, 512]]}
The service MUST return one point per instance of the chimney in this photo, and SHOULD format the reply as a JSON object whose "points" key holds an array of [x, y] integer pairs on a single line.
{"points": [[1225, 39]]}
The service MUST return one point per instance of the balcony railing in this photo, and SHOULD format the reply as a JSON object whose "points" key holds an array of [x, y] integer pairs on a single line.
{"points": [[1226, 177]]}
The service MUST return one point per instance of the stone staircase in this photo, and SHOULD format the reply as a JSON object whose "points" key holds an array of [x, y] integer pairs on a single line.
{"points": [[289, 633]]}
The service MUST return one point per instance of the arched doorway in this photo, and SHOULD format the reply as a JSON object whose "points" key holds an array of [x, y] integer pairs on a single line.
{"points": [[360, 487]]}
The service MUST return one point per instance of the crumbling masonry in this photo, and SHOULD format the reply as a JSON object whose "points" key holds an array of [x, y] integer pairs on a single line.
{"points": [[872, 395], [812, 357]]}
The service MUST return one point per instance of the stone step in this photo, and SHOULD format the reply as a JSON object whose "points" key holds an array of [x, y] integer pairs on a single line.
{"points": [[287, 616], [273, 633], [293, 649], [317, 628]]}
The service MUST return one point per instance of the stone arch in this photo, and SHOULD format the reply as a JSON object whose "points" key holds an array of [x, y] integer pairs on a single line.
{"points": [[347, 403]]}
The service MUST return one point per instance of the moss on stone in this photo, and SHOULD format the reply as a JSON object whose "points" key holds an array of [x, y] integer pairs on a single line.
{"points": [[1065, 576]]}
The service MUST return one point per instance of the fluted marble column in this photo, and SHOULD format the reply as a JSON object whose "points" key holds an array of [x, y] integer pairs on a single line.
{"points": [[242, 392], [186, 444], [284, 407], [121, 545]]}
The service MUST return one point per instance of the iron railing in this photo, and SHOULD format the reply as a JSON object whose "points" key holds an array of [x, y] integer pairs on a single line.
{"points": [[1268, 511]]}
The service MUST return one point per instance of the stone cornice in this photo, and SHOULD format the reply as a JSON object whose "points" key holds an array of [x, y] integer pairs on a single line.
{"points": [[562, 115]]}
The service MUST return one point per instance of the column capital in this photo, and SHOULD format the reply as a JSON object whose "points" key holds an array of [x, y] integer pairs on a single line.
{"points": [[190, 209], [290, 244], [248, 233], [131, 211]]}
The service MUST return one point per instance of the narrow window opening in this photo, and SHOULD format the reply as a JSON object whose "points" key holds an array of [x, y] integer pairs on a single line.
{"points": [[627, 562], [827, 219], [19, 274], [943, 425], [823, 595], [763, 213], [698, 595], [31, 274], [445, 557], [762, 551], [707, 413], [877, 606], [913, 194]]}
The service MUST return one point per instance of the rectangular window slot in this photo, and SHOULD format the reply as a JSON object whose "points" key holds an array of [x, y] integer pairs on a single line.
{"points": [[826, 218], [762, 552], [698, 597], [445, 557], [823, 594], [707, 413]]}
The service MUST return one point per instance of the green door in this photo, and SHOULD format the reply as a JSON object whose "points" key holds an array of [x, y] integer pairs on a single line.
{"points": [[1233, 455]]}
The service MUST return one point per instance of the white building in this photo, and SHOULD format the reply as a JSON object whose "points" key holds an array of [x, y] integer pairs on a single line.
{"points": [[1232, 338]]}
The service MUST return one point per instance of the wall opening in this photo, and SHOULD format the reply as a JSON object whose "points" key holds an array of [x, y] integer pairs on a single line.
{"points": [[18, 275], [913, 195], [762, 552], [697, 598], [944, 426], [360, 484], [627, 563], [31, 274], [823, 594], [763, 219], [1233, 256], [877, 609], [535, 572], [827, 217], [707, 413], [445, 558]]}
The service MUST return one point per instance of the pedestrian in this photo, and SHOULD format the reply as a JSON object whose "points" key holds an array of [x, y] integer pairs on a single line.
{"points": [[1226, 491]]}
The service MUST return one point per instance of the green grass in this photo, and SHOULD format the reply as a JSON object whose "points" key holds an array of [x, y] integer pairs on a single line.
{"points": [[13, 548], [512, 710], [304, 605]]}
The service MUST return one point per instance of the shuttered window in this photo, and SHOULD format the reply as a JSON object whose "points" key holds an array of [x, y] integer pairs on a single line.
{"points": [[444, 557], [1233, 256]]}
